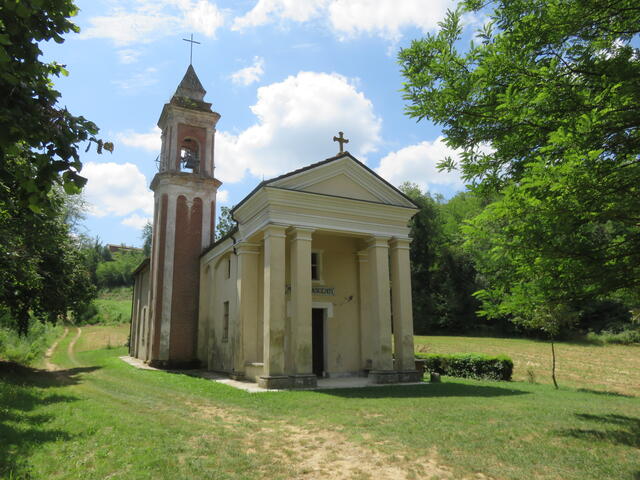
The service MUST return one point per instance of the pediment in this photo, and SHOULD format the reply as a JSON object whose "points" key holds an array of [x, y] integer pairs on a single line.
{"points": [[342, 176]]}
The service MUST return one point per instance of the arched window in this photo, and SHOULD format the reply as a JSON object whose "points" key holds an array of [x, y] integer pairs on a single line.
{"points": [[189, 155]]}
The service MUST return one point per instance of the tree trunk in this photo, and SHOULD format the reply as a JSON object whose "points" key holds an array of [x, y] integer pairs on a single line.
{"points": [[553, 365], [23, 322]]}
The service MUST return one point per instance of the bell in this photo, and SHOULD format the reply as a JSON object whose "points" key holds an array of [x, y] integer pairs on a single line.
{"points": [[190, 159]]}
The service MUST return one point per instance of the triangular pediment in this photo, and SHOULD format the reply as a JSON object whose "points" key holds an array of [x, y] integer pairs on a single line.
{"points": [[342, 176]]}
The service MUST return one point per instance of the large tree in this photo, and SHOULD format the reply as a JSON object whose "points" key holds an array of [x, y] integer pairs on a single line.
{"points": [[545, 107], [39, 139]]}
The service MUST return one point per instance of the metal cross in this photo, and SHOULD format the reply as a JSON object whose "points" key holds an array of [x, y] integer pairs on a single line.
{"points": [[341, 140], [192, 41]]}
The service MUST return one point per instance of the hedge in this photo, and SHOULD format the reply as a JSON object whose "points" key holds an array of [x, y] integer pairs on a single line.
{"points": [[470, 365]]}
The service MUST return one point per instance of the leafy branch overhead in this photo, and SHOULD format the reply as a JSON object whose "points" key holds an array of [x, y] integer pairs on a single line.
{"points": [[545, 106], [38, 137]]}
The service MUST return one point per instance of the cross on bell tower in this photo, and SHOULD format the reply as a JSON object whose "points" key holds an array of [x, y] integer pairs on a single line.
{"points": [[191, 41]]}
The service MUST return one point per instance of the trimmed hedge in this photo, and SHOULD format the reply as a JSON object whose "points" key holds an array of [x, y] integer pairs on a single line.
{"points": [[469, 365]]}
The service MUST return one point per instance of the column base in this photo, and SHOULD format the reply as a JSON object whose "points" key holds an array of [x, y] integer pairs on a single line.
{"points": [[304, 381], [383, 376], [274, 382], [237, 376], [409, 376]]}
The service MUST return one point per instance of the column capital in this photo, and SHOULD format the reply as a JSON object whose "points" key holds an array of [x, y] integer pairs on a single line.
{"points": [[244, 248], [378, 242], [399, 242], [301, 233], [273, 230], [363, 256]]}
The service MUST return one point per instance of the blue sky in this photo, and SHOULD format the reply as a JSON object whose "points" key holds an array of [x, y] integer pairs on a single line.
{"points": [[286, 75]]}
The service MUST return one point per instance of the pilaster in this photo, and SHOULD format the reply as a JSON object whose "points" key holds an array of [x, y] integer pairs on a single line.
{"points": [[246, 338]]}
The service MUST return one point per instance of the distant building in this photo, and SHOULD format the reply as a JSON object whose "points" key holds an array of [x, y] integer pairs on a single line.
{"points": [[304, 287], [122, 248]]}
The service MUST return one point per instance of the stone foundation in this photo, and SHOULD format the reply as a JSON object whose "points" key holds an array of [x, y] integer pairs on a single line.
{"points": [[275, 382], [383, 376], [303, 381], [409, 376]]}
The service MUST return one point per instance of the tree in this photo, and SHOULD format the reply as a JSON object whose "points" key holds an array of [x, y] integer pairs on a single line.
{"points": [[225, 223], [147, 237], [545, 109], [39, 139]]}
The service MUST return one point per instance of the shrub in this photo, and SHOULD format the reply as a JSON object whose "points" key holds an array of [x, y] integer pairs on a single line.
{"points": [[469, 365], [30, 348], [626, 337]]}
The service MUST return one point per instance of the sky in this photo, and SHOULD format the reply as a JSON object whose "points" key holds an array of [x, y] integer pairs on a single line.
{"points": [[285, 75]]}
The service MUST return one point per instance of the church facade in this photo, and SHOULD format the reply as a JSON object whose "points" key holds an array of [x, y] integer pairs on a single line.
{"points": [[313, 282]]}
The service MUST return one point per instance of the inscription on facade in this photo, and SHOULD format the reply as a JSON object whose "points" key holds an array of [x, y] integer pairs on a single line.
{"points": [[323, 291]]}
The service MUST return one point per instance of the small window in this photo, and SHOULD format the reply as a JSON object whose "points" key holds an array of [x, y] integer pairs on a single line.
{"points": [[316, 266], [229, 267], [225, 323]]}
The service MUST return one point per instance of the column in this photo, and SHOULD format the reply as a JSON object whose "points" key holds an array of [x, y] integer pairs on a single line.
{"points": [[274, 309], [366, 360], [382, 367], [245, 347], [301, 348], [402, 310]]}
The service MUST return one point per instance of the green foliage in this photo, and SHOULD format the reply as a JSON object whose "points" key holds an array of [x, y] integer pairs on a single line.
{"points": [[147, 237], [469, 365], [546, 111], [225, 223], [112, 307], [39, 140], [119, 271], [26, 349], [624, 337]]}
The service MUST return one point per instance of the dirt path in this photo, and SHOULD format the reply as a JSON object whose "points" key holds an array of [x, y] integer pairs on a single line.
{"points": [[48, 365], [71, 346]]}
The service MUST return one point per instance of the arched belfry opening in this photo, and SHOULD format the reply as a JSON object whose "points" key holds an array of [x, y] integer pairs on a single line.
{"points": [[190, 155]]}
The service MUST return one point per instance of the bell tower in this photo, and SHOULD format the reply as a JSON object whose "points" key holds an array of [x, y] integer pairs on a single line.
{"points": [[183, 222]]}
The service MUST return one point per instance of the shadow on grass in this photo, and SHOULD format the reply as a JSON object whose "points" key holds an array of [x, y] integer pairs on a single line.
{"points": [[605, 392], [617, 429], [425, 391], [22, 391]]}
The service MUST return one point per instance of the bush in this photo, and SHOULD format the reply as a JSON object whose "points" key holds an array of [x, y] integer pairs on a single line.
{"points": [[626, 337], [469, 365], [30, 348]]}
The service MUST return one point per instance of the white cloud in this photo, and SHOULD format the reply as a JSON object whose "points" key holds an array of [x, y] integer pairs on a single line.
{"points": [[139, 80], [266, 11], [128, 55], [147, 141], [136, 221], [143, 21], [116, 189], [350, 18], [248, 75], [385, 18], [297, 119], [417, 164], [222, 196]]}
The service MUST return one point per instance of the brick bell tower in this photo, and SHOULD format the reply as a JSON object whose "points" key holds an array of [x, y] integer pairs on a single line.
{"points": [[183, 221]]}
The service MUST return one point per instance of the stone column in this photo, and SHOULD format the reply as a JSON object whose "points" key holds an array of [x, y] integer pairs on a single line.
{"points": [[382, 366], [245, 347], [301, 348], [274, 309], [402, 310], [366, 360]]}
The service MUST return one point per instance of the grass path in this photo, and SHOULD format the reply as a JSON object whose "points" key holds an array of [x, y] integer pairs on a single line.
{"points": [[97, 417], [47, 356]]}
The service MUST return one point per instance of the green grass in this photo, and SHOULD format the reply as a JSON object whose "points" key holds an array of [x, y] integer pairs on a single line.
{"points": [[112, 307], [614, 368], [101, 418]]}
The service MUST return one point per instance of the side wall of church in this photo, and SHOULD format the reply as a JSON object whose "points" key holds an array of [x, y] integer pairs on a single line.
{"points": [[139, 340], [218, 313]]}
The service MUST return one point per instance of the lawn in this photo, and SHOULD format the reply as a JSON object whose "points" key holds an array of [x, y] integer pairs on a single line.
{"points": [[614, 368], [98, 417]]}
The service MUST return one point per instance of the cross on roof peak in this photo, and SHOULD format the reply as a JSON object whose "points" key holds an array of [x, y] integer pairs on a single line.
{"points": [[191, 42], [341, 140]]}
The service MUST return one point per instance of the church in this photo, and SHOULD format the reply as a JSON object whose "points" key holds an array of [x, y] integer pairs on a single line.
{"points": [[314, 281]]}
